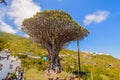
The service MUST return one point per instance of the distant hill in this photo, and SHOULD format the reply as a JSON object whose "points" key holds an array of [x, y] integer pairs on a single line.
{"points": [[18, 44], [102, 66]]}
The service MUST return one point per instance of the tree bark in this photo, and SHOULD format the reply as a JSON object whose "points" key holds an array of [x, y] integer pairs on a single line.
{"points": [[55, 65]]}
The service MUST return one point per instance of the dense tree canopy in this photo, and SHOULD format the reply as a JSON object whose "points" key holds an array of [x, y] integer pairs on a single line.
{"points": [[53, 29]]}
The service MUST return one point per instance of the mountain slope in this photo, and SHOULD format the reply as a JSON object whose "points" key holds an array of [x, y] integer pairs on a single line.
{"points": [[18, 44], [102, 66]]}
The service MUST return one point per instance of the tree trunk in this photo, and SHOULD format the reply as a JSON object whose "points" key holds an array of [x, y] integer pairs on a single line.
{"points": [[55, 65]]}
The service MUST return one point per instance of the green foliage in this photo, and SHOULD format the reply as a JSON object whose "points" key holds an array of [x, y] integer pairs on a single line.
{"points": [[13, 75], [22, 56], [53, 27], [3, 43]]}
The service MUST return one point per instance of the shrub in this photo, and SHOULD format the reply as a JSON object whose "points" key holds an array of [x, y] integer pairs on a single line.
{"points": [[22, 56]]}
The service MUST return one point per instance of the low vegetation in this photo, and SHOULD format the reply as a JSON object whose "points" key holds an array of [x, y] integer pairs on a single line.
{"points": [[99, 66]]}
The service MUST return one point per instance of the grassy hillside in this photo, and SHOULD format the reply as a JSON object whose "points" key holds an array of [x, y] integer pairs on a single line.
{"points": [[18, 44], [102, 66]]}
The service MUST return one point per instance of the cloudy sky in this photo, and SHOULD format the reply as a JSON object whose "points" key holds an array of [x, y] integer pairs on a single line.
{"points": [[100, 17]]}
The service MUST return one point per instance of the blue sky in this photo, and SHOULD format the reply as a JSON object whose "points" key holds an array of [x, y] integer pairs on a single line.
{"points": [[100, 17]]}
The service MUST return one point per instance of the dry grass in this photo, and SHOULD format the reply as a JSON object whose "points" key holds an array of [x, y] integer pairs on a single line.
{"points": [[34, 74]]}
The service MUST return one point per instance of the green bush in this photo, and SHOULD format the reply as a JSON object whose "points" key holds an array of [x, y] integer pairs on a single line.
{"points": [[22, 56], [13, 75]]}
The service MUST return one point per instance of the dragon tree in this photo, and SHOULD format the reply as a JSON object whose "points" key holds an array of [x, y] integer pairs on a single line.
{"points": [[53, 29]]}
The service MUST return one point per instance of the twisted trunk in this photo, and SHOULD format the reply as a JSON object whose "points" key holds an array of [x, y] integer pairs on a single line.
{"points": [[55, 65]]}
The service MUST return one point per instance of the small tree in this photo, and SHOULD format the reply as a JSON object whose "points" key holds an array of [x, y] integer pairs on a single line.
{"points": [[53, 29]]}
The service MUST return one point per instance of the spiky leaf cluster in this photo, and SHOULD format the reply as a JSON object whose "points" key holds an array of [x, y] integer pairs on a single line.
{"points": [[53, 28]]}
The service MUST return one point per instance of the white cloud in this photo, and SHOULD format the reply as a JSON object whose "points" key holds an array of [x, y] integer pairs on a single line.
{"points": [[2, 13], [5, 27], [18, 11], [21, 9], [96, 17]]}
